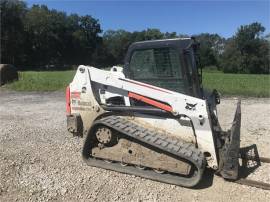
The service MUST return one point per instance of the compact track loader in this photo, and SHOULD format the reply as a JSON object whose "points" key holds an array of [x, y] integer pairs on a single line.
{"points": [[152, 117]]}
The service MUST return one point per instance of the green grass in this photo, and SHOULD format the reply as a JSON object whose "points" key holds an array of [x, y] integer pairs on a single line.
{"points": [[226, 84], [42, 81], [238, 84]]}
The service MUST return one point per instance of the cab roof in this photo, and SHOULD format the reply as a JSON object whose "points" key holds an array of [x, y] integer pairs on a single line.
{"points": [[181, 43]]}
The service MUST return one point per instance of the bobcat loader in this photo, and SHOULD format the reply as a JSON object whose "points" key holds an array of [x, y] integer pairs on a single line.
{"points": [[152, 118]]}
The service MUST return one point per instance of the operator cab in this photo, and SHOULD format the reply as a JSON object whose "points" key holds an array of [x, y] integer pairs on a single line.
{"points": [[169, 64]]}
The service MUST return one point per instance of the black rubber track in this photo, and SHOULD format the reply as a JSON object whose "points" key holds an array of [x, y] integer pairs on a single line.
{"points": [[175, 148]]}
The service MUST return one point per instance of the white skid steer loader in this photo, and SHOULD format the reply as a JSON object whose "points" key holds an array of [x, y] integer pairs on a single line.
{"points": [[152, 118]]}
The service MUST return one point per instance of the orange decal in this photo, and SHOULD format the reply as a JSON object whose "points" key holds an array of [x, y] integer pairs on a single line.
{"points": [[150, 101]]}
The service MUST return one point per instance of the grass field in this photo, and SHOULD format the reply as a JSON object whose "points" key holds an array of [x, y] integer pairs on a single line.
{"points": [[238, 84], [42, 81], [226, 84]]}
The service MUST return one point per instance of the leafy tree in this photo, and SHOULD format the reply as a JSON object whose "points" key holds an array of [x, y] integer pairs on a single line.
{"points": [[211, 48], [116, 42], [171, 35], [54, 38], [267, 37], [149, 34], [103, 57], [231, 58], [38, 37], [44, 29], [250, 50], [12, 34], [86, 39]]}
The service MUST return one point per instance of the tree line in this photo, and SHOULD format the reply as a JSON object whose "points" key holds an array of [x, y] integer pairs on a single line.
{"points": [[38, 37]]}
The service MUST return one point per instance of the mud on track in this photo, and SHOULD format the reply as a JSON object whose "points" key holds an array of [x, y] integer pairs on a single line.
{"points": [[40, 161]]}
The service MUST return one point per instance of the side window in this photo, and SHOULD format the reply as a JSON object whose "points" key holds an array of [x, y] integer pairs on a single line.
{"points": [[142, 64], [155, 63], [172, 63], [159, 67]]}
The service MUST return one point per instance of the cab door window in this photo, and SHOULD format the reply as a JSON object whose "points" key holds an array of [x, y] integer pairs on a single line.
{"points": [[160, 67]]}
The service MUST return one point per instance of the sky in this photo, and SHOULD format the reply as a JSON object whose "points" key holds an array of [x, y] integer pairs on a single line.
{"points": [[184, 17]]}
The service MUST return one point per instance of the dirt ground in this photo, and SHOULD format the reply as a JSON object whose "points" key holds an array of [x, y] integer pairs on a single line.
{"points": [[41, 161]]}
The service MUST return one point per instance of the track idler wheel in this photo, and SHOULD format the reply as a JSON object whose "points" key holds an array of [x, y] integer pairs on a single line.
{"points": [[104, 135]]}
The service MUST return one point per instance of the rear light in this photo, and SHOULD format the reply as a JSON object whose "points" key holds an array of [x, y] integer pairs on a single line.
{"points": [[68, 109]]}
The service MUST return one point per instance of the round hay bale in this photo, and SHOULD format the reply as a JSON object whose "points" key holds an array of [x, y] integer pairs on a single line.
{"points": [[8, 73]]}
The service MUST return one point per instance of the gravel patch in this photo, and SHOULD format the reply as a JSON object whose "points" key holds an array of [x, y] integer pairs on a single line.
{"points": [[41, 161]]}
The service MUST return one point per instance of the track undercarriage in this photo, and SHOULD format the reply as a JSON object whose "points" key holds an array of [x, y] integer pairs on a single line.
{"points": [[118, 144]]}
